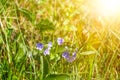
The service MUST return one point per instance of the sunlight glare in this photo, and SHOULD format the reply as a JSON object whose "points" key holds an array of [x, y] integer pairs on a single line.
{"points": [[108, 7]]}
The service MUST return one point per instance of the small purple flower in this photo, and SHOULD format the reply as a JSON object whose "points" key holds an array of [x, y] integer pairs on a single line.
{"points": [[66, 55], [46, 52], [49, 45], [72, 58], [60, 41], [74, 54], [39, 46]]}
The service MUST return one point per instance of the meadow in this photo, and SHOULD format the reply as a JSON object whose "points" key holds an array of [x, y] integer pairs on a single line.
{"points": [[58, 40]]}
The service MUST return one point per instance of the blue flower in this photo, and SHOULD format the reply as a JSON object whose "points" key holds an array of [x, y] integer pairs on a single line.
{"points": [[49, 45], [39, 46], [72, 58], [46, 52], [60, 41], [66, 55]]}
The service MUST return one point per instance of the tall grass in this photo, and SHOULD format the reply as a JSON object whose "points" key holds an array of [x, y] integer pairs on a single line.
{"points": [[24, 23]]}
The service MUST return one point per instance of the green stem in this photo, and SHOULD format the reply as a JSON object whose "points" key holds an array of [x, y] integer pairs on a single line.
{"points": [[42, 67]]}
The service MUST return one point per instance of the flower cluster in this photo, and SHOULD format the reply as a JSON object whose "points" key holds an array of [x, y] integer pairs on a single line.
{"points": [[60, 41], [69, 58], [40, 46]]}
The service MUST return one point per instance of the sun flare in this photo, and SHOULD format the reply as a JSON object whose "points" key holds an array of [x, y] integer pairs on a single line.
{"points": [[108, 7]]}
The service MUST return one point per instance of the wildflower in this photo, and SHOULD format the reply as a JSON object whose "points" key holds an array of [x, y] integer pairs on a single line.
{"points": [[46, 52], [72, 58], [39, 46], [49, 45], [66, 55], [60, 41]]}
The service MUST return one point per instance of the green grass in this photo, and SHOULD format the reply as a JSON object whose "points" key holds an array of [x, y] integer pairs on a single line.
{"points": [[24, 23]]}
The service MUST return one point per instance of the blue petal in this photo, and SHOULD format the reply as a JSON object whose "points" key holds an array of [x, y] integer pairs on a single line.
{"points": [[46, 52], [49, 44], [60, 41], [39, 46], [65, 55]]}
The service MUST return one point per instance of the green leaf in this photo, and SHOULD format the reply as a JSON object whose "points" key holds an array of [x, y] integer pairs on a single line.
{"points": [[9, 32], [58, 77], [45, 24], [61, 50], [20, 53], [1, 40], [3, 2], [44, 67], [88, 53], [29, 15], [1, 68]]}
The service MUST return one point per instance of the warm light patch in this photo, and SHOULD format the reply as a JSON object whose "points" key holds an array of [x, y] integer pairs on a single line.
{"points": [[108, 7]]}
